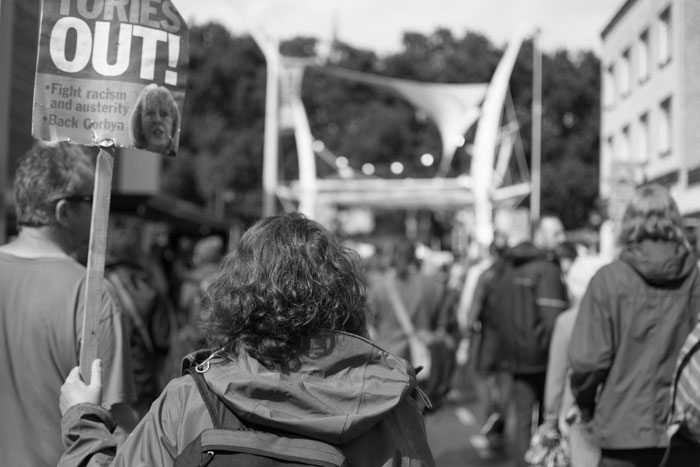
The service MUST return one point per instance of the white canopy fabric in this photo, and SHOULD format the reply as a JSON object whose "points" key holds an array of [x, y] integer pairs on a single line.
{"points": [[454, 108]]}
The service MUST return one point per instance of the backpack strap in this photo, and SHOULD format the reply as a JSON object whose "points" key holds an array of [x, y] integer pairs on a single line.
{"points": [[399, 307], [207, 396], [673, 429], [120, 289], [212, 403], [681, 366]]}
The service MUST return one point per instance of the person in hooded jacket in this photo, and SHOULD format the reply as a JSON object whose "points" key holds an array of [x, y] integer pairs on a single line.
{"points": [[633, 319], [288, 320], [525, 297]]}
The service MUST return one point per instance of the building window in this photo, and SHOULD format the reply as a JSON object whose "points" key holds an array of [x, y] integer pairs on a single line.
{"points": [[610, 149], [643, 56], [609, 87], [643, 139], [665, 128], [624, 74], [625, 145], [665, 37]]}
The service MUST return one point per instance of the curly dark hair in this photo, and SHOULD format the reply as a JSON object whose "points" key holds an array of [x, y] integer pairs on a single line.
{"points": [[289, 279]]}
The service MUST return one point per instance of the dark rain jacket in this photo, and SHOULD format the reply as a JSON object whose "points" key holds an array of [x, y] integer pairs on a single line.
{"points": [[351, 394], [633, 319], [527, 294]]}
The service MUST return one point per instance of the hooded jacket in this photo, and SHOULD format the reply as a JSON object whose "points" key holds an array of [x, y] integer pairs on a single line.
{"points": [[633, 319], [525, 297], [345, 391]]}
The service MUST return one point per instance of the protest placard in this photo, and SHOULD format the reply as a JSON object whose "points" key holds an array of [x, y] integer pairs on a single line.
{"points": [[97, 253], [109, 73], [111, 70]]}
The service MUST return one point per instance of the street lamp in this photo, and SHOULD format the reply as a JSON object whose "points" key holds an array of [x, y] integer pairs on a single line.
{"points": [[342, 162], [427, 159]]}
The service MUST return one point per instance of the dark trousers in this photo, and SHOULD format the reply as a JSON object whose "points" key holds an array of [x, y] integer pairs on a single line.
{"points": [[680, 457], [528, 393]]}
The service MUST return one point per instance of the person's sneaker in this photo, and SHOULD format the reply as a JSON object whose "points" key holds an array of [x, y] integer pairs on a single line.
{"points": [[487, 448], [458, 396], [495, 425], [480, 443], [493, 431]]}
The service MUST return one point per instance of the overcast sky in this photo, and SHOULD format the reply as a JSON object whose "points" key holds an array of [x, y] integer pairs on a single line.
{"points": [[378, 25]]}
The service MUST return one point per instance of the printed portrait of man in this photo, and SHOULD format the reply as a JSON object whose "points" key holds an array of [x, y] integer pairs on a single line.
{"points": [[155, 120]]}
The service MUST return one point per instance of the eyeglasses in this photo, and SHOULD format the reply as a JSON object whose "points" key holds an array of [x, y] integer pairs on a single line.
{"points": [[75, 199]]}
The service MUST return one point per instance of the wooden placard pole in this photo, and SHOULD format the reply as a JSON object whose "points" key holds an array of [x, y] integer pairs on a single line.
{"points": [[96, 259]]}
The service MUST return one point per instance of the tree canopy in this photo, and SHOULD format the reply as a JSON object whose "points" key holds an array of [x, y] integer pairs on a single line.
{"points": [[223, 122]]}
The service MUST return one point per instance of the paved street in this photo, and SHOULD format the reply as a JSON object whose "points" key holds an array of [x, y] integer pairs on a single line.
{"points": [[449, 431], [452, 426]]}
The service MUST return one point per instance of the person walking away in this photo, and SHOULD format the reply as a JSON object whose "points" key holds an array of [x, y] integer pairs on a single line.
{"points": [[446, 323], [206, 255], [560, 411], [287, 315], [420, 295], [527, 296], [632, 322], [148, 311], [189, 337], [482, 333], [42, 293]]}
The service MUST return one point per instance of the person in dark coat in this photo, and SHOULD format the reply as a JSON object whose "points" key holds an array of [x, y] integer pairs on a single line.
{"points": [[528, 296], [493, 384], [633, 319]]}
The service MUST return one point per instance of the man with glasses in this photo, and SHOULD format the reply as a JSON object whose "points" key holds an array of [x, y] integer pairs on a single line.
{"points": [[42, 297]]}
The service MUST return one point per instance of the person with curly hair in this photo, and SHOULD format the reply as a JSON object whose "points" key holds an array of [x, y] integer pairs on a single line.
{"points": [[287, 317], [155, 121]]}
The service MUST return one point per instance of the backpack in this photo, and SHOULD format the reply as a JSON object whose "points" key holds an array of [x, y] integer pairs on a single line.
{"points": [[684, 418], [231, 443], [523, 334], [495, 310]]}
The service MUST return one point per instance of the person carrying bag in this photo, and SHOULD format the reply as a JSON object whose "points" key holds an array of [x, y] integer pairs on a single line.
{"points": [[431, 352]]}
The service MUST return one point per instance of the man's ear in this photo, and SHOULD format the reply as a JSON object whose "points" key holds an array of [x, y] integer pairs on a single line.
{"points": [[537, 235], [63, 212]]}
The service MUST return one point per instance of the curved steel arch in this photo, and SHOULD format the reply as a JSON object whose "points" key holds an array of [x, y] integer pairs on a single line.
{"points": [[284, 82]]}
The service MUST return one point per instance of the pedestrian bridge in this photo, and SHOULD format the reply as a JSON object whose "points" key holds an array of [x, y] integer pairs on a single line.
{"points": [[419, 193], [454, 108]]}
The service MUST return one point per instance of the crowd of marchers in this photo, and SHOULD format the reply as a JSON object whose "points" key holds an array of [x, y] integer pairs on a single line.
{"points": [[587, 347], [290, 348]]}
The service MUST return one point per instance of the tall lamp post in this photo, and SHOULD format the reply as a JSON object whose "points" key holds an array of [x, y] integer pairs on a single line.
{"points": [[536, 155], [270, 49], [6, 30]]}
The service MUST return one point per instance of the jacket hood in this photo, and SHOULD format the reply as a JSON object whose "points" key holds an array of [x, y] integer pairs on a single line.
{"points": [[524, 253], [343, 387], [659, 262]]}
